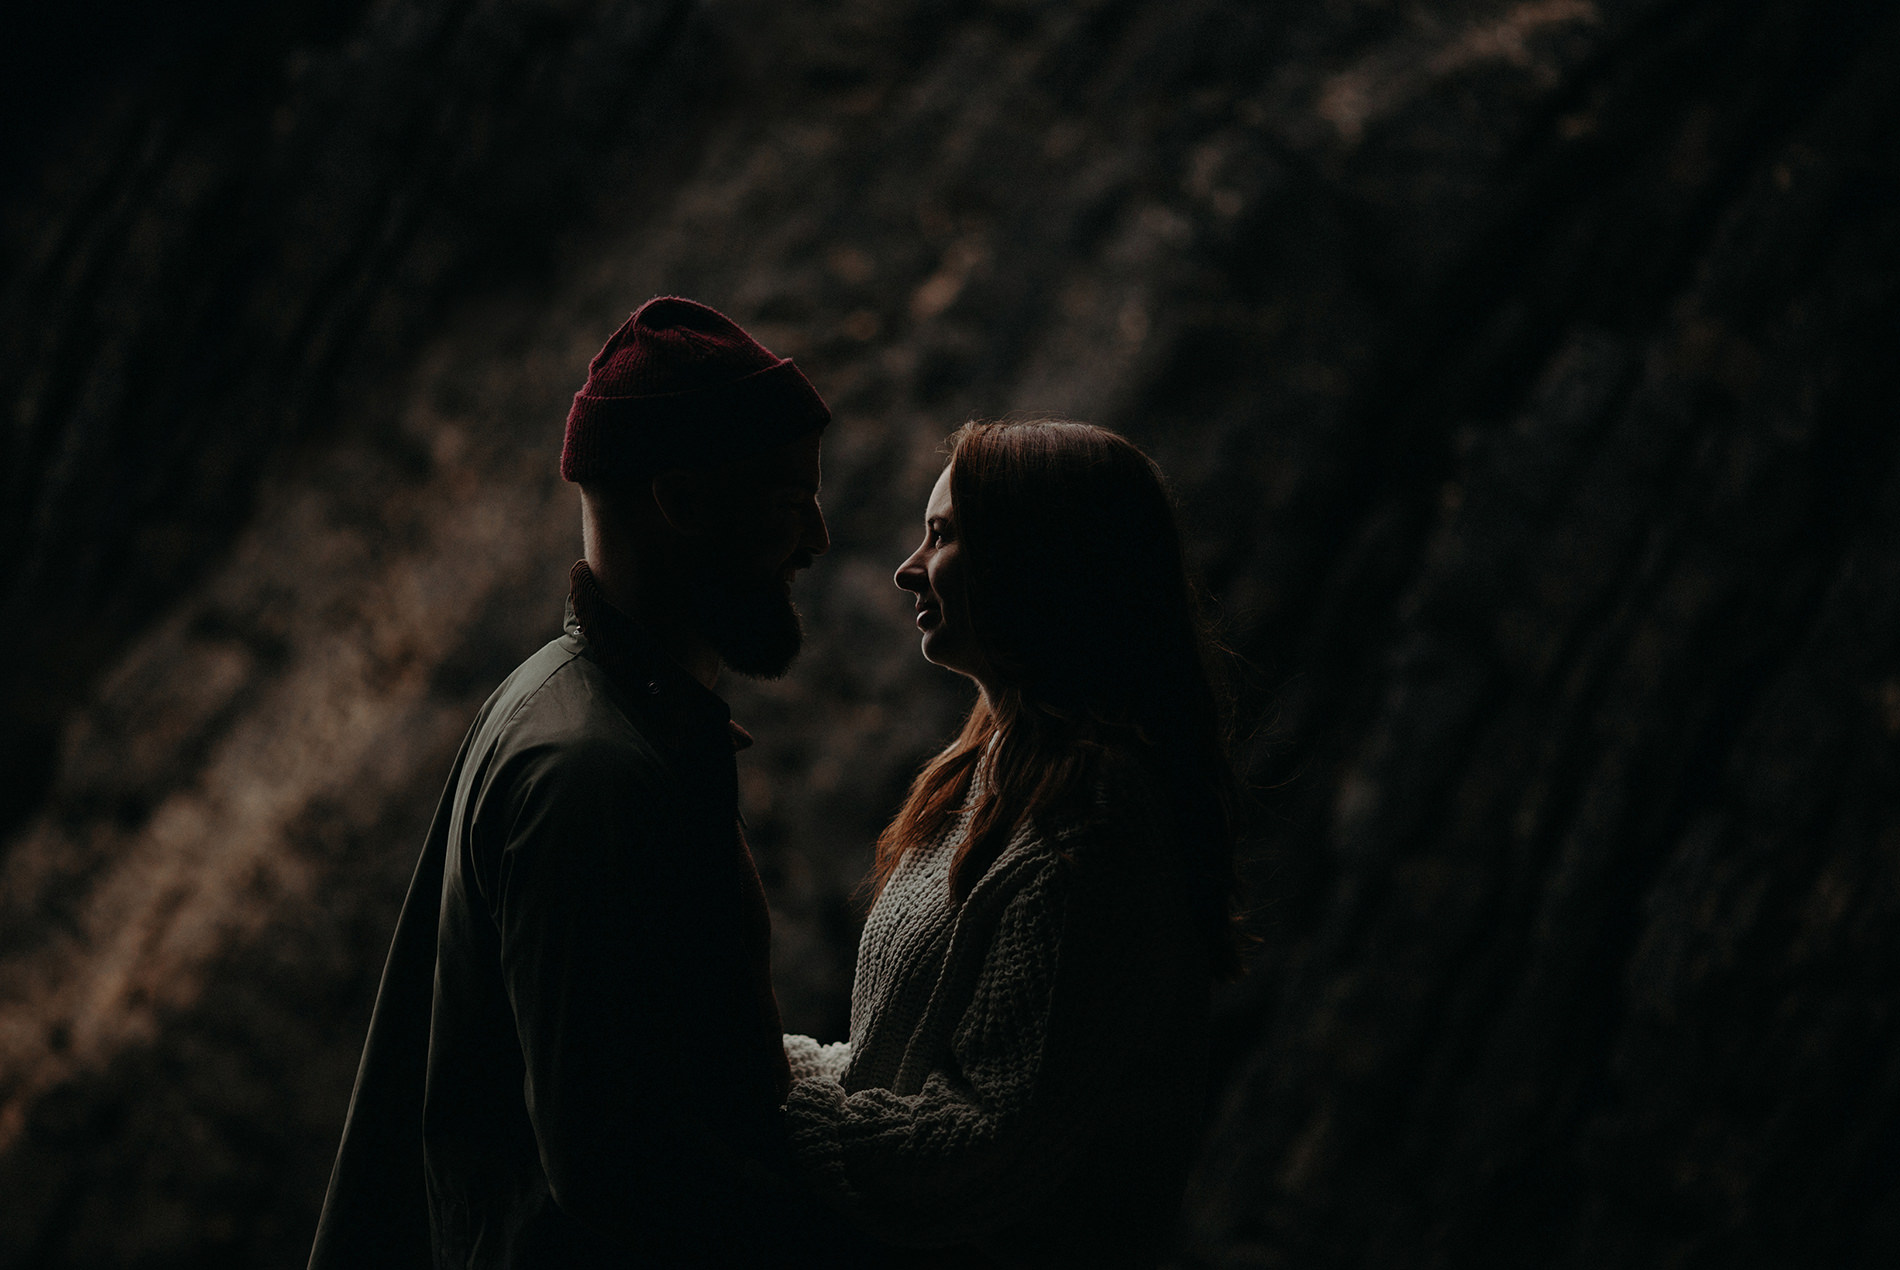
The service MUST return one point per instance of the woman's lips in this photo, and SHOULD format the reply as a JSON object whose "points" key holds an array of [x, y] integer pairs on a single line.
{"points": [[927, 618]]}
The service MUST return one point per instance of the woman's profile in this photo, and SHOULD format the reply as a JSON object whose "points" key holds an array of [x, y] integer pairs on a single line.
{"points": [[1024, 1077]]}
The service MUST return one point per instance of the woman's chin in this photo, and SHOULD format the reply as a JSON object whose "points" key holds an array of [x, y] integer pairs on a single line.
{"points": [[934, 651]]}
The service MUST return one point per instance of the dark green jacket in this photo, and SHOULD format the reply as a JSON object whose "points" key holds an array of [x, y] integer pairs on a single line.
{"points": [[575, 1057]]}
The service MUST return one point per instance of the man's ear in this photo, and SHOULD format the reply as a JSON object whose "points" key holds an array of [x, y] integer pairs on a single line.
{"points": [[681, 497]]}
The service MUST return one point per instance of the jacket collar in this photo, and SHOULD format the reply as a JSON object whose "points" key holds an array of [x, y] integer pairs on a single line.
{"points": [[634, 661]]}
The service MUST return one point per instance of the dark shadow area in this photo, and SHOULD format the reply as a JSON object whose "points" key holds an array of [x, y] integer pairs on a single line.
{"points": [[1523, 373]]}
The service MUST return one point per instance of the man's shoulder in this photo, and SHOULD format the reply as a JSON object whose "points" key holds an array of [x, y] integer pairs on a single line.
{"points": [[559, 706], [557, 756]]}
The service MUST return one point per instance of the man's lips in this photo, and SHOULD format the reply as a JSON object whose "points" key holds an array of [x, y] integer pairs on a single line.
{"points": [[790, 570]]}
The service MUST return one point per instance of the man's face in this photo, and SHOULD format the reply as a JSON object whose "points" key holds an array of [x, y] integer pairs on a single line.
{"points": [[763, 525]]}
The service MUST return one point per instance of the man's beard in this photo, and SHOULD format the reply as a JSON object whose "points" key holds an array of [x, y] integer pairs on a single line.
{"points": [[751, 622]]}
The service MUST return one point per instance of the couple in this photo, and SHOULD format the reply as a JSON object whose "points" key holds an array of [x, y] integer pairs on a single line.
{"points": [[575, 1058]]}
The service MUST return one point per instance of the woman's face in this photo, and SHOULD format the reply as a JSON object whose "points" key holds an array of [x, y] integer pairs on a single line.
{"points": [[934, 576]]}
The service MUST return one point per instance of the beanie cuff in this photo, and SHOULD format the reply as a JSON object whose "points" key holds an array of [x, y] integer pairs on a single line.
{"points": [[631, 437]]}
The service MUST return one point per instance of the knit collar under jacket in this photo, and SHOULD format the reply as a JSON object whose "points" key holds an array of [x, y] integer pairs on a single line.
{"points": [[633, 660]]}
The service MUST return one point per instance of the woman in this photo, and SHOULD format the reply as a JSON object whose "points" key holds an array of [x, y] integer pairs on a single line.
{"points": [[1029, 1021]]}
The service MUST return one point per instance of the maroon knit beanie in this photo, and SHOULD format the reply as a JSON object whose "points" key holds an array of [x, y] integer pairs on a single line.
{"points": [[680, 385]]}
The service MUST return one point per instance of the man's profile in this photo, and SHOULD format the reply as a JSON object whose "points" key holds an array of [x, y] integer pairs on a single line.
{"points": [[575, 1055]]}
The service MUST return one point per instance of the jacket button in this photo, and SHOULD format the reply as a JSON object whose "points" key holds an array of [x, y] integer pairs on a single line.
{"points": [[653, 687]]}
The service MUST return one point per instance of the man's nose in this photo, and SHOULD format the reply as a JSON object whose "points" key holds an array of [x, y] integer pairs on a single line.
{"points": [[817, 539]]}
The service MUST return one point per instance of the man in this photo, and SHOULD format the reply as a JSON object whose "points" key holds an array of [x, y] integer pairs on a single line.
{"points": [[575, 1055]]}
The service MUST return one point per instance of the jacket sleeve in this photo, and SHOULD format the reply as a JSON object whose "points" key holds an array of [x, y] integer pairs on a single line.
{"points": [[593, 964], [982, 1144]]}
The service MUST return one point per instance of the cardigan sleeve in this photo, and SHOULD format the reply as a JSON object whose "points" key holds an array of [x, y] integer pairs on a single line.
{"points": [[985, 1141], [813, 1060]]}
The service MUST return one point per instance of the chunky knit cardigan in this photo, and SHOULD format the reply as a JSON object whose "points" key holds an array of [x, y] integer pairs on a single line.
{"points": [[1024, 1079]]}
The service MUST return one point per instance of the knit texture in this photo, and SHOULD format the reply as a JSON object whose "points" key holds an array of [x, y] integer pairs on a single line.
{"points": [[682, 385], [1024, 1071]]}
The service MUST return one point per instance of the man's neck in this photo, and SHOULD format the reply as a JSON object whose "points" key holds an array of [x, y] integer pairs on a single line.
{"points": [[662, 616]]}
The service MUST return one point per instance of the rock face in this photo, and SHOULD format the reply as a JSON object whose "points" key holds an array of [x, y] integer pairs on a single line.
{"points": [[1523, 369]]}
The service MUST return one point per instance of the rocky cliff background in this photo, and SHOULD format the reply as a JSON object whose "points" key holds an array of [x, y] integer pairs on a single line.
{"points": [[1526, 371]]}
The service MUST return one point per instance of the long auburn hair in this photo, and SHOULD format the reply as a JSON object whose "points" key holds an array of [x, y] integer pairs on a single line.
{"points": [[1080, 601]]}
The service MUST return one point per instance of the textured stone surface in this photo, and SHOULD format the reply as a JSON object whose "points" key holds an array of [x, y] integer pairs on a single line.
{"points": [[1523, 369]]}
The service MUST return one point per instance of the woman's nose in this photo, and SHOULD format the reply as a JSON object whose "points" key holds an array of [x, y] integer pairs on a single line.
{"points": [[910, 574]]}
